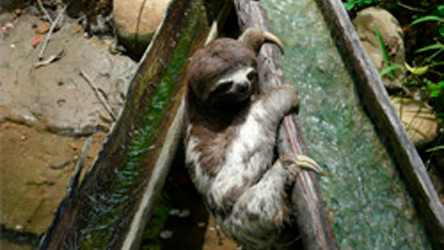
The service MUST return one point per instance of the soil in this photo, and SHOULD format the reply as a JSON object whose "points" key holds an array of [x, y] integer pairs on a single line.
{"points": [[55, 96], [35, 169], [46, 114]]}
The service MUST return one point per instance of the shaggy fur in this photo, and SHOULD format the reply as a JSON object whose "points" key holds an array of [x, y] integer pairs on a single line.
{"points": [[230, 139]]}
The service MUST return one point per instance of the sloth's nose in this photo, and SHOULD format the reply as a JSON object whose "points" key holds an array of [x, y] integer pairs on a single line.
{"points": [[242, 87]]}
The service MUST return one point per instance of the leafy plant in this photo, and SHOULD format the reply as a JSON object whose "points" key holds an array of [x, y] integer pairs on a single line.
{"points": [[426, 73], [390, 67], [438, 17], [350, 4], [434, 58], [426, 70], [436, 89]]}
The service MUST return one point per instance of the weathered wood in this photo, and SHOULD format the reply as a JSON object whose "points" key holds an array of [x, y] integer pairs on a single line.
{"points": [[378, 106], [111, 207], [308, 205]]}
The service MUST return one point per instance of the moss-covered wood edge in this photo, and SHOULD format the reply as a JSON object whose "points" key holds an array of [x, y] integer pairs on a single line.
{"points": [[387, 123], [111, 206]]}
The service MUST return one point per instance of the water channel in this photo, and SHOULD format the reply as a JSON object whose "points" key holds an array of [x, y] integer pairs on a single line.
{"points": [[366, 199]]}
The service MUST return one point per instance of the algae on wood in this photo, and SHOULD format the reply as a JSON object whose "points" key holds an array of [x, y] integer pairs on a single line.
{"points": [[110, 207]]}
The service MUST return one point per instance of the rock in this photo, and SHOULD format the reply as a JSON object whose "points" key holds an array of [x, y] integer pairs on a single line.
{"points": [[418, 118], [166, 234], [55, 97], [35, 165], [392, 35], [31, 187], [135, 33]]}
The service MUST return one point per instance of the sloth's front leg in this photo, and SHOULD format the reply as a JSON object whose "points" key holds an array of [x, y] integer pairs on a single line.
{"points": [[273, 105]]}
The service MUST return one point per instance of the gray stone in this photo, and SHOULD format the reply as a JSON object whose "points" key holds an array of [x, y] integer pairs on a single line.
{"points": [[418, 118], [55, 97], [392, 34], [136, 21]]}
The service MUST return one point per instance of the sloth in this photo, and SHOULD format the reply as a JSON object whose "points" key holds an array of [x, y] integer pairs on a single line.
{"points": [[230, 140]]}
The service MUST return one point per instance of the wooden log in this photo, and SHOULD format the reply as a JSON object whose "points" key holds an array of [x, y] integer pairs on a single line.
{"points": [[377, 104], [308, 205], [116, 198]]}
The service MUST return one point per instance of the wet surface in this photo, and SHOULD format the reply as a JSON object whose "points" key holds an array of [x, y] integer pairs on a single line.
{"points": [[55, 96], [46, 114], [366, 198], [35, 167]]}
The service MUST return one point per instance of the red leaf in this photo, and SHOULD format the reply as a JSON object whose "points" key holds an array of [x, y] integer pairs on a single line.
{"points": [[37, 39]]}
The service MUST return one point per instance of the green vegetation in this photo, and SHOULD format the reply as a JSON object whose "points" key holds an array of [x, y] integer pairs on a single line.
{"points": [[423, 25], [151, 239], [431, 61], [410, 5], [350, 4]]}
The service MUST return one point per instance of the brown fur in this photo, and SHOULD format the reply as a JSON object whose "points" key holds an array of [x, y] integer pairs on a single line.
{"points": [[230, 140]]}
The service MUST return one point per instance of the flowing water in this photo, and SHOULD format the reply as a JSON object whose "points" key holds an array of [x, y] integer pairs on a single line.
{"points": [[366, 199]]}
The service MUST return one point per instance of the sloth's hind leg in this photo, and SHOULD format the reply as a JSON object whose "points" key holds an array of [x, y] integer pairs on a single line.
{"points": [[262, 210]]}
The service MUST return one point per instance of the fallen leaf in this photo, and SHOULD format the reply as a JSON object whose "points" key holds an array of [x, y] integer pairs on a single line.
{"points": [[42, 29], [417, 70], [37, 39]]}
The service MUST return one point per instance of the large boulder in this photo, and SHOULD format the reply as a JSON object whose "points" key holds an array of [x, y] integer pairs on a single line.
{"points": [[136, 21], [366, 23]]}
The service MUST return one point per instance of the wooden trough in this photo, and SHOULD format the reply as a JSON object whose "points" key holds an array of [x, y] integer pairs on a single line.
{"points": [[111, 207], [377, 103], [115, 201]]}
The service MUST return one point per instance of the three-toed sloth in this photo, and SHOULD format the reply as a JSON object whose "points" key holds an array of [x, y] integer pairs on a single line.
{"points": [[230, 139]]}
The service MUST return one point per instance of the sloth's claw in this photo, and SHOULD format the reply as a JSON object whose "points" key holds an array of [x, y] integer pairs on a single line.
{"points": [[253, 38], [295, 163]]}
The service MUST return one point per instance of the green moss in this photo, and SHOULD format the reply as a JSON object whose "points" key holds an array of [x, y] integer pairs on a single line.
{"points": [[148, 110], [156, 224]]}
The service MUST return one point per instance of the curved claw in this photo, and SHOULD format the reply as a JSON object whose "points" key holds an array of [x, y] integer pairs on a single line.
{"points": [[253, 38], [299, 162], [269, 37]]}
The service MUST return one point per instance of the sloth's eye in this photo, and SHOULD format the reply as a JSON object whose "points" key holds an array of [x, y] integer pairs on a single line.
{"points": [[223, 87], [252, 76]]}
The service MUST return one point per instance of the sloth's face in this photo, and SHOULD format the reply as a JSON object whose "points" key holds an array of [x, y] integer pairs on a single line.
{"points": [[235, 86], [222, 76]]}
